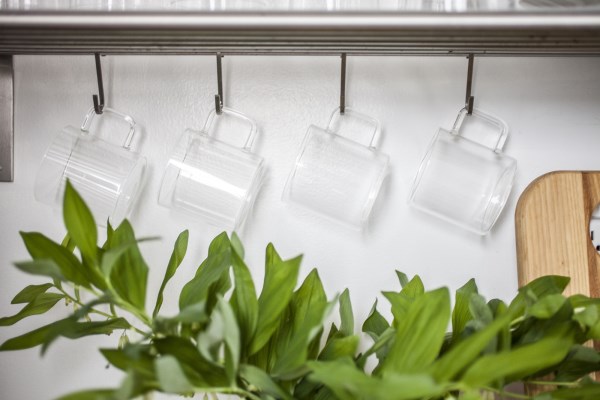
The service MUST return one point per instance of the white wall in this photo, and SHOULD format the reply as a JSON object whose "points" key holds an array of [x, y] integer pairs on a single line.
{"points": [[551, 105]]}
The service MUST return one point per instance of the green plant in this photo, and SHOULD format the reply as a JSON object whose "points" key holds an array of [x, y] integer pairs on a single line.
{"points": [[228, 339]]}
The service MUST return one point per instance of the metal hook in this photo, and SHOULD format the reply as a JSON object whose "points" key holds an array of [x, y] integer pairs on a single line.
{"points": [[343, 86], [219, 97], [469, 100], [98, 105]]}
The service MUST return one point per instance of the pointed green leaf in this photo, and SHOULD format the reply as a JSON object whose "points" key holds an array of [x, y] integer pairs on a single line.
{"points": [[547, 306], [222, 330], [243, 301], [280, 280], [402, 278], [461, 313], [259, 379], [420, 334], [237, 246], [210, 272], [33, 338], [90, 394], [177, 256], [30, 292], [80, 222], [346, 315], [301, 324], [41, 267], [42, 303], [171, 377], [462, 355], [129, 274], [200, 371], [340, 348], [349, 383], [580, 361], [518, 363], [375, 324], [42, 248]]}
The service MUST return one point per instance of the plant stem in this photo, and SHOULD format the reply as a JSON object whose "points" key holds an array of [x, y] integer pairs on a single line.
{"points": [[505, 393], [93, 310], [551, 383]]}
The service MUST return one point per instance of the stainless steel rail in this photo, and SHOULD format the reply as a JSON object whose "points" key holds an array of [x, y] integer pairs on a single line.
{"points": [[272, 33], [377, 33]]}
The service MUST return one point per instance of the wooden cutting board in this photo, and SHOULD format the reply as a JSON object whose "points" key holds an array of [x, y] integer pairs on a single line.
{"points": [[553, 230]]}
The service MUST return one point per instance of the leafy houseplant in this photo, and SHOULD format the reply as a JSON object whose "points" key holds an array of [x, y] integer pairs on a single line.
{"points": [[226, 339]]}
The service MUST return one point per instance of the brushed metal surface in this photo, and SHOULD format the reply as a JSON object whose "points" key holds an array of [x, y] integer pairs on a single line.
{"points": [[6, 119], [363, 33]]}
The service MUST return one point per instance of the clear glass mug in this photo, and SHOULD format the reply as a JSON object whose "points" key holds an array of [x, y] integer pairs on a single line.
{"points": [[211, 179], [338, 172], [108, 176], [466, 180]]}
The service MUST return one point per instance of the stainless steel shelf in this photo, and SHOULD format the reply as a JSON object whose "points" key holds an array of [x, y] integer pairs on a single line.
{"points": [[372, 33]]}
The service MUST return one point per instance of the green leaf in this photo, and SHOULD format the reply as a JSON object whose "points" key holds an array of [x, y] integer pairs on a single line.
{"points": [[129, 274], [195, 313], [420, 334], [346, 315], [461, 313], [256, 377], [35, 337], [401, 301], [133, 357], [236, 245], [72, 329], [466, 351], [580, 361], [349, 383], [375, 324], [340, 348], [41, 267], [278, 286], [90, 394], [243, 301], [402, 278], [171, 377], [177, 256], [42, 303], [588, 317], [299, 327], [547, 306], [589, 391], [540, 287], [222, 330], [199, 371], [80, 222], [42, 248], [210, 272], [519, 362], [68, 243], [30, 293]]}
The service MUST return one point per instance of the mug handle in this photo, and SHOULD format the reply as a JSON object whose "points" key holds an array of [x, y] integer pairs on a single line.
{"points": [[212, 117], [371, 139], [498, 141], [85, 126]]}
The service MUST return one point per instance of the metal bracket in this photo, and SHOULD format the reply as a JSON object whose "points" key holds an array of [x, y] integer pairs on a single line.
{"points": [[6, 119], [98, 105], [469, 100], [343, 86], [219, 97]]}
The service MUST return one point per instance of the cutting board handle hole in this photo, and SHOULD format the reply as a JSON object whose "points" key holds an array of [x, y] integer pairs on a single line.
{"points": [[595, 228]]}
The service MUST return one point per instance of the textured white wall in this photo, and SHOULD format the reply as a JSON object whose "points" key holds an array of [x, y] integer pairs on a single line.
{"points": [[551, 105]]}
